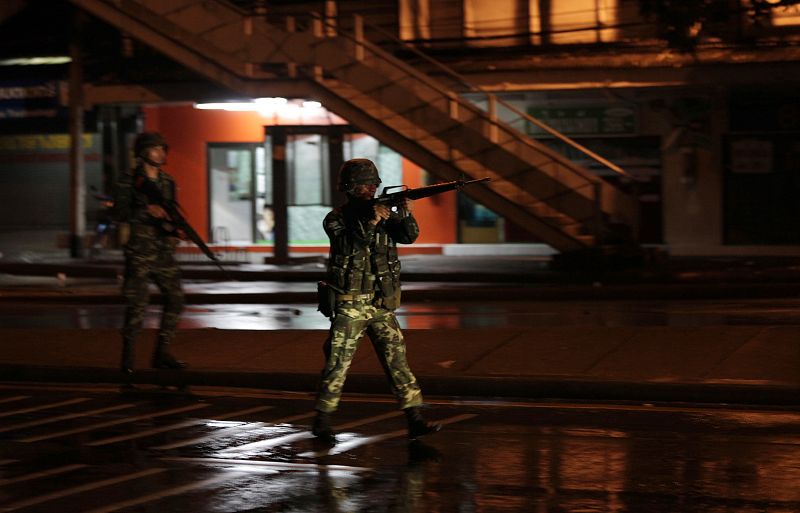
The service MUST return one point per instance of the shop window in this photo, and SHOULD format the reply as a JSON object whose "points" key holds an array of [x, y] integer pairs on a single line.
{"points": [[762, 177], [786, 16], [477, 224], [514, 22], [308, 194]]}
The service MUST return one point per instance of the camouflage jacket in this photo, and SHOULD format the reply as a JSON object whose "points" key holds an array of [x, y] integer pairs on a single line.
{"points": [[130, 206], [363, 257]]}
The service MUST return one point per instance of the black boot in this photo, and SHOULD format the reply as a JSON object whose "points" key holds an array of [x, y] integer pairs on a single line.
{"points": [[322, 427], [162, 359], [417, 426]]}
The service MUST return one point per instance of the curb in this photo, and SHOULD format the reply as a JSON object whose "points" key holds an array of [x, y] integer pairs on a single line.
{"points": [[472, 386], [444, 293]]}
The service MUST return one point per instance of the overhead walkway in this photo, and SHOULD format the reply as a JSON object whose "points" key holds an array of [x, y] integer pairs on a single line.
{"points": [[427, 120]]}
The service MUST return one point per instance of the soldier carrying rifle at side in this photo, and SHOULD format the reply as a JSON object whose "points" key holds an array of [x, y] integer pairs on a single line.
{"points": [[149, 251]]}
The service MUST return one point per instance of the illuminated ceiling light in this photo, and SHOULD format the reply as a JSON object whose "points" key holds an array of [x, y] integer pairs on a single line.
{"points": [[229, 106], [36, 61], [271, 101], [265, 106]]}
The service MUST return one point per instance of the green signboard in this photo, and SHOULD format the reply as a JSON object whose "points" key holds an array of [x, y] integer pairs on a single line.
{"points": [[584, 120]]}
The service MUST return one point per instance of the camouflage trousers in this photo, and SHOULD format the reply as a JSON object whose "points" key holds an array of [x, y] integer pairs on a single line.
{"points": [[140, 269], [352, 320]]}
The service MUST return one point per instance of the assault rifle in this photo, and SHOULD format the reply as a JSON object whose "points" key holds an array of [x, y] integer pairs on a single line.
{"points": [[393, 199], [171, 207]]}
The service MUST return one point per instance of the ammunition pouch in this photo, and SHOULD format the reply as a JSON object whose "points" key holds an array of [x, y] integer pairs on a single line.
{"points": [[326, 298]]}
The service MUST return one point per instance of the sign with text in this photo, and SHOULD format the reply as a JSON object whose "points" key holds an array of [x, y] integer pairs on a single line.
{"points": [[30, 99], [584, 120]]}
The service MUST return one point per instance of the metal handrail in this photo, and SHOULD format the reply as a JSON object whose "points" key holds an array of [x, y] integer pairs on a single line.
{"points": [[473, 88], [447, 96]]}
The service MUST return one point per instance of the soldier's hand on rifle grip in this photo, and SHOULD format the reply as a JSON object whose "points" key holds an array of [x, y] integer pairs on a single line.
{"points": [[382, 213], [156, 211]]}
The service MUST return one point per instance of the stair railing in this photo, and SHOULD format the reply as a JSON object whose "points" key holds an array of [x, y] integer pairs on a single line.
{"points": [[497, 128], [492, 100]]}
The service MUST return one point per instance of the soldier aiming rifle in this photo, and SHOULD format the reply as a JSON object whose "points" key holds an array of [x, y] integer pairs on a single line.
{"points": [[362, 290]]}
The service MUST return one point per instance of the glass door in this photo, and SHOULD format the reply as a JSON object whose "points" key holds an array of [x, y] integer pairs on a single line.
{"points": [[232, 193], [308, 187]]}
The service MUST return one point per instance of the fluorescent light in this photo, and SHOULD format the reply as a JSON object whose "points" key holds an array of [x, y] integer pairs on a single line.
{"points": [[271, 101], [266, 106], [36, 61], [229, 106]]}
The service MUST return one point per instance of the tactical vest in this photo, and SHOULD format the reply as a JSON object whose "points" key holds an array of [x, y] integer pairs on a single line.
{"points": [[374, 269], [130, 209]]}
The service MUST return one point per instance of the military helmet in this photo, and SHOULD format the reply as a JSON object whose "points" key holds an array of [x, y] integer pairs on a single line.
{"points": [[357, 172], [148, 140]]}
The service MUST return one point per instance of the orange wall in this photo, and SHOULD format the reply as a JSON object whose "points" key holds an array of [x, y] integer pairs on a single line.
{"points": [[188, 130], [436, 215]]}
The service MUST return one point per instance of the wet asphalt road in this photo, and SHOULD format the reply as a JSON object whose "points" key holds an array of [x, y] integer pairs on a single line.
{"points": [[94, 449], [426, 315]]}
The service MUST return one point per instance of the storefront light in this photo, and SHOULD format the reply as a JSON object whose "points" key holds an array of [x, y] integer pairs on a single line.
{"points": [[36, 61], [271, 102], [229, 106], [264, 106]]}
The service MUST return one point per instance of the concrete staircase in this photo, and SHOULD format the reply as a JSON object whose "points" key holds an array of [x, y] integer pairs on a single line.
{"points": [[561, 203]]}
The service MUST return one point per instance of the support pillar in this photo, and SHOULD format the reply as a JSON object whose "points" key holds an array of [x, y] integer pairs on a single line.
{"points": [[279, 204], [77, 171]]}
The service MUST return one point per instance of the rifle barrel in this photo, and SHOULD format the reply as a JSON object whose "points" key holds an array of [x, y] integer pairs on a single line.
{"points": [[427, 191]]}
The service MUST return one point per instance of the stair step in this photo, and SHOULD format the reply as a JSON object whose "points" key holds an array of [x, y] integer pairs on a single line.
{"points": [[531, 184]]}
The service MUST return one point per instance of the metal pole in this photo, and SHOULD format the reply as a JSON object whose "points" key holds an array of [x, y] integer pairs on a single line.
{"points": [[77, 172], [279, 201]]}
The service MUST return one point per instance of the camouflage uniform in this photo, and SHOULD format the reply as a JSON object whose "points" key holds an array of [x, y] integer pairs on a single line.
{"points": [[364, 266], [148, 256]]}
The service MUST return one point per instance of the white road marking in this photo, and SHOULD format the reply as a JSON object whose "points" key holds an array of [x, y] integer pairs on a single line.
{"points": [[178, 425], [39, 499], [234, 429], [67, 416], [368, 420], [302, 435], [359, 441], [44, 406], [43, 473], [116, 422], [283, 465], [270, 442], [178, 490]]}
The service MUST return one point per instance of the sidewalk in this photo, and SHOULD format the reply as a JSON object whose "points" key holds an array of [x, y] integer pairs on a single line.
{"points": [[719, 364], [425, 277]]}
